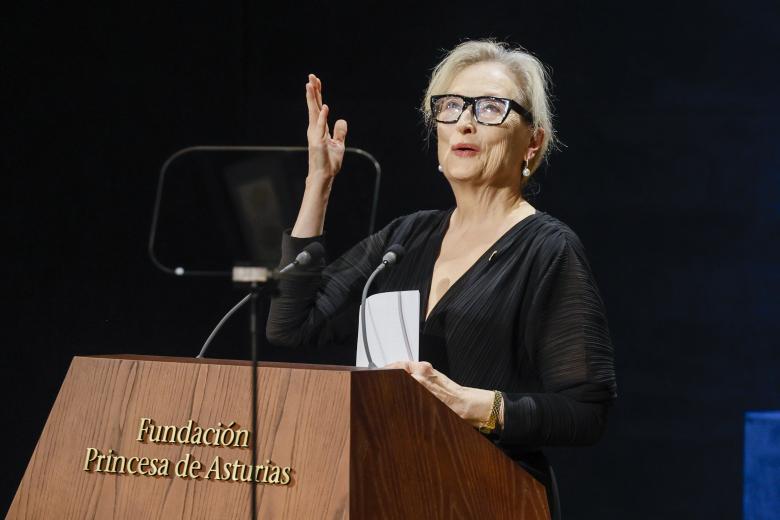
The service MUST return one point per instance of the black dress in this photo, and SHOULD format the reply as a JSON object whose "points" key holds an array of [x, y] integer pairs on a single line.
{"points": [[525, 319]]}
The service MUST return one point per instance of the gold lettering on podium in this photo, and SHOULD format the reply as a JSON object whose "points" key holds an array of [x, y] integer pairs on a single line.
{"points": [[229, 435], [97, 462], [224, 435]]}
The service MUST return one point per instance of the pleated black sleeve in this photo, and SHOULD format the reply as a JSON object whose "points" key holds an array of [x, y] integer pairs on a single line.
{"points": [[310, 300], [567, 340]]}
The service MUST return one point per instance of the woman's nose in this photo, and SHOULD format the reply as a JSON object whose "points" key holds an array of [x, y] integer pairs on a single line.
{"points": [[467, 122]]}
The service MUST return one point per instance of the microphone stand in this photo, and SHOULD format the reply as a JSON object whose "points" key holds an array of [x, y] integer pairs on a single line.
{"points": [[253, 332], [256, 290], [259, 278]]}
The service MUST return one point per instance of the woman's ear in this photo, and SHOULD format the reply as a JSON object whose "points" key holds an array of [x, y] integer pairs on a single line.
{"points": [[534, 144], [537, 138]]}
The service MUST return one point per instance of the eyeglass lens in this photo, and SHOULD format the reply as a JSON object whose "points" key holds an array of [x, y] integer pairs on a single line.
{"points": [[487, 110]]}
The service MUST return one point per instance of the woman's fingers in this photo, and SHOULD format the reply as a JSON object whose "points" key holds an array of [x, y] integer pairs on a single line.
{"points": [[340, 131], [316, 107], [318, 98], [322, 123], [419, 369], [403, 365], [318, 90], [311, 103]]}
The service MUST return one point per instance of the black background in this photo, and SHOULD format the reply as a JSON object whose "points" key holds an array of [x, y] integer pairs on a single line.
{"points": [[669, 174]]}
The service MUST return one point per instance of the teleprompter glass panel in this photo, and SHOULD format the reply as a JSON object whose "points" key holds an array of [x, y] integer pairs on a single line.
{"points": [[219, 207]]}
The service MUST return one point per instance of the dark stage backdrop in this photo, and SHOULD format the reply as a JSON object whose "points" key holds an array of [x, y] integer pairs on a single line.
{"points": [[669, 174]]}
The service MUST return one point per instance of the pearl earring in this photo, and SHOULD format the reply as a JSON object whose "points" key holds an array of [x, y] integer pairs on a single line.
{"points": [[441, 169], [526, 171]]}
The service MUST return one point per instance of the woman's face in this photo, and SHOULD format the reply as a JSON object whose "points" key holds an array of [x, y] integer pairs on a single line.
{"points": [[500, 150]]}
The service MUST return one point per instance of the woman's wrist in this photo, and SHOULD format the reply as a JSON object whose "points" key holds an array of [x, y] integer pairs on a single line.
{"points": [[477, 405], [311, 216], [319, 179]]}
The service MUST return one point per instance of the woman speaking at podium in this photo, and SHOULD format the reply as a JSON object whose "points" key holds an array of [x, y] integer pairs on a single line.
{"points": [[513, 333]]}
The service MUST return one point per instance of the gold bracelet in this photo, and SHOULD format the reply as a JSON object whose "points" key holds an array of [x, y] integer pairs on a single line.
{"points": [[490, 424]]}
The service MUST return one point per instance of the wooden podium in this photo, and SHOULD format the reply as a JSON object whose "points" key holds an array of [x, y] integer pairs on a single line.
{"points": [[334, 442]]}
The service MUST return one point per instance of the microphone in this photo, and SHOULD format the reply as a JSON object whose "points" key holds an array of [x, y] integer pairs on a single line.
{"points": [[393, 255], [310, 253]]}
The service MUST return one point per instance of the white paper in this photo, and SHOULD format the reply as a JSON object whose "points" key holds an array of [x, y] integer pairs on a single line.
{"points": [[393, 331]]}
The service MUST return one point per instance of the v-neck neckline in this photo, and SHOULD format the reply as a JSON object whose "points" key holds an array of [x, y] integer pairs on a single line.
{"points": [[437, 245]]}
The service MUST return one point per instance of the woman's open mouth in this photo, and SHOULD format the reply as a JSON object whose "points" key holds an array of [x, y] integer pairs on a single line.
{"points": [[465, 149]]}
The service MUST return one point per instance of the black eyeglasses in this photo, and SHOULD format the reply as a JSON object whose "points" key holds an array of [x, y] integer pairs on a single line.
{"points": [[488, 110]]}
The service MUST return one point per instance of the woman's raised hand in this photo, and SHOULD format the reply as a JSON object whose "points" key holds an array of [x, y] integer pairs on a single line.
{"points": [[326, 151]]}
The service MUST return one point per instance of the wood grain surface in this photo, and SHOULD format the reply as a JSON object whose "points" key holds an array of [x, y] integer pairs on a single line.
{"points": [[303, 423], [415, 458]]}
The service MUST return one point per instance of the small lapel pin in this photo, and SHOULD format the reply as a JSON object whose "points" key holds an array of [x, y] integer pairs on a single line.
{"points": [[492, 255]]}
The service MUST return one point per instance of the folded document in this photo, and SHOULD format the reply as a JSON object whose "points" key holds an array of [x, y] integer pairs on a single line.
{"points": [[393, 328]]}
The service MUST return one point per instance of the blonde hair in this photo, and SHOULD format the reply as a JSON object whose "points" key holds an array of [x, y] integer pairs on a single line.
{"points": [[532, 78]]}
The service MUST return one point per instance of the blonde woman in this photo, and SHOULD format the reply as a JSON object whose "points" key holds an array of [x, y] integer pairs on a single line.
{"points": [[514, 336]]}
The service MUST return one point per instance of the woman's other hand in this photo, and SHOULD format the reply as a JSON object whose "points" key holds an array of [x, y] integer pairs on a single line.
{"points": [[326, 151], [326, 154], [471, 404]]}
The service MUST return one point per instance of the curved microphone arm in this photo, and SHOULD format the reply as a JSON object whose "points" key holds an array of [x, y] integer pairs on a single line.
{"points": [[311, 253], [393, 256], [363, 328]]}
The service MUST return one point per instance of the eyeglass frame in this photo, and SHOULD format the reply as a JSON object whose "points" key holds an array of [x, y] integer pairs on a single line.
{"points": [[472, 101]]}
